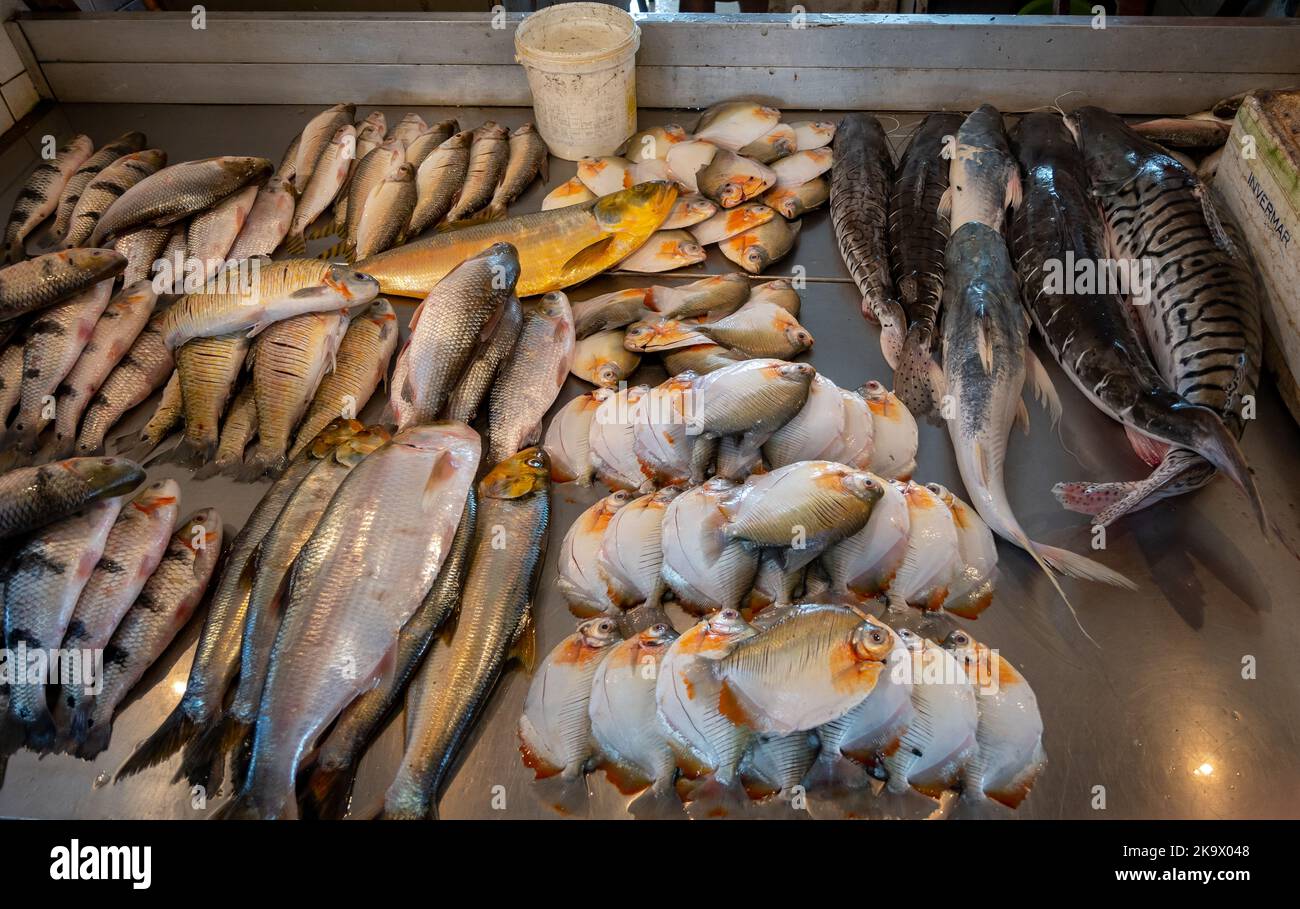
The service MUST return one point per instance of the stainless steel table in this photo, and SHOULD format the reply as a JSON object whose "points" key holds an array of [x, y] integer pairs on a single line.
{"points": [[1156, 721]]}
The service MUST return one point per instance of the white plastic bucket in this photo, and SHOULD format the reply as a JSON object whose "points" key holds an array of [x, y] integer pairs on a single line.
{"points": [[581, 64]]}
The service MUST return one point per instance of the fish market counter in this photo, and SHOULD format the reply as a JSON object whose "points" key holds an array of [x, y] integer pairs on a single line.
{"points": [[1185, 706]]}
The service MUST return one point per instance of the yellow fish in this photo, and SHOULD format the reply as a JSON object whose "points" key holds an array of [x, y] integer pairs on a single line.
{"points": [[557, 248]]}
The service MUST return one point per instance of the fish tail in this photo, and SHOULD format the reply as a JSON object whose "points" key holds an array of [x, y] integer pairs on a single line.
{"points": [[78, 724], [1080, 566], [207, 749], [212, 468], [262, 461], [322, 228], [328, 792], [166, 740], [96, 741], [251, 804], [189, 453], [295, 244], [888, 314], [15, 253], [918, 379]]}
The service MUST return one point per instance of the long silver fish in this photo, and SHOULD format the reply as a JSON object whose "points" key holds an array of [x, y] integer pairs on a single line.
{"points": [[210, 234], [42, 583], [217, 657], [267, 222], [142, 248], [327, 179], [985, 346], [918, 233], [1202, 321], [32, 497], [102, 191], [495, 616], [861, 185], [528, 158], [164, 607], [79, 181], [387, 212], [983, 177], [327, 461], [361, 721], [369, 173], [467, 397], [39, 196], [345, 609], [176, 192]]}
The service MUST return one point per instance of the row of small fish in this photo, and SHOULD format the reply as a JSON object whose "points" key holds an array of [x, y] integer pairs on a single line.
{"points": [[121, 578], [813, 527], [727, 422], [769, 703], [388, 186]]}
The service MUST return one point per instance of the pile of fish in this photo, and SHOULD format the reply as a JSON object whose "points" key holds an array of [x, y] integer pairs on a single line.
{"points": [[97, 585], [799, 695], [1171, 355], [384, 187], [740, 168], [698, 327]]}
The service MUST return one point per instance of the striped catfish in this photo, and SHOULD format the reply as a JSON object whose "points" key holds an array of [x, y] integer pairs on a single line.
{"points": [[124, 145], [1203, 319], [1092, 335], [861, 181], [918, 232]]}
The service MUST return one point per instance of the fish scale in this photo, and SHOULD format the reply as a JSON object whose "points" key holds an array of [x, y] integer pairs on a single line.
{"points": [[31, 497], [207, 369], [127, 144], [46, 280], [162, 609], [104, 190], [39, 196]]}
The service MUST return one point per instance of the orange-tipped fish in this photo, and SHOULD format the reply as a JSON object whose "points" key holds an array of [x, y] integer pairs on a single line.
{"points": [[557, 248]]}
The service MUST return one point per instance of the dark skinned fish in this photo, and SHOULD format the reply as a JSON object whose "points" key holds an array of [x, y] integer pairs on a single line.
{"points": [[1203, 319], [918, 232], [45, 280], [1092, 335], [31, 497], [39, 197], [861, 185], [104, 189], [144, 369]]}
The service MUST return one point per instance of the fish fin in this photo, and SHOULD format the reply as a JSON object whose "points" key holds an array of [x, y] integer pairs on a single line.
{"points": [[167, 739], [731, 706], [1015, 192], [328, 793], [984, 347], [1222, 237], [294, 244], [1079, 566], [340, 250], [190, 453], [323, 227], [945, 203], [96, 742], [1044, 389], [208, 747], [1022, 416], [588, 257], [1149, 449], [915, 378], [524, 647], [432, 486]]}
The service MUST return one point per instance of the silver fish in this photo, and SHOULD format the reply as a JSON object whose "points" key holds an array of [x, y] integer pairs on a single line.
{"points": [[531, 378]]}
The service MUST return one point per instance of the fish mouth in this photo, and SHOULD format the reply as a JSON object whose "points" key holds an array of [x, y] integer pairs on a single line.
{"points": [[519, 475]]}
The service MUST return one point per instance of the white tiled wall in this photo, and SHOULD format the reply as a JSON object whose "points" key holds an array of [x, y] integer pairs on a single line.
{"points": [[16, 89]]}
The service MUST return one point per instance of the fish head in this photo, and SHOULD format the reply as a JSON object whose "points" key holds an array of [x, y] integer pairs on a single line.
{"points": [[523, 474], [727, 625], [863, 485], [152, 157], [248, 170], [973, 656], [503, 259], [700, 208], [799, 337], [490, 130], [402, 173], [375, 125], [110, 476], [754, 255], [801, 374], [462, 139], [616, 500], [655, 639], [910, 639], [599, 633], [355, 287], [1111, 151], [1042, 134], [609, 373], [336, 431], [636, 210], [157, 496], [201, 533], [984, 129], [872, 642], [100, 261]]}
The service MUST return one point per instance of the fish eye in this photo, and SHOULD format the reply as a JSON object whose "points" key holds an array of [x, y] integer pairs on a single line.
{"points": [[359, 276]]}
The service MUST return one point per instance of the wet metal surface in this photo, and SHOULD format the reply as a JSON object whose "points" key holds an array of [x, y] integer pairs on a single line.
{"points": [[1160, 719]]}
